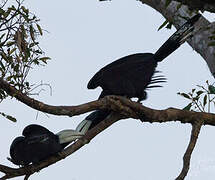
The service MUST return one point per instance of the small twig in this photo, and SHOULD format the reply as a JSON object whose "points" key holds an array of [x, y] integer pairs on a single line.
{"points": [[187, 156], [40, 85], [196, 103]]}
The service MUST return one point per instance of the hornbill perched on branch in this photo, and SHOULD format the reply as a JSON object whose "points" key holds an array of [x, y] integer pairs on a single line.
{"points": [[130, 76], [38, 143]]}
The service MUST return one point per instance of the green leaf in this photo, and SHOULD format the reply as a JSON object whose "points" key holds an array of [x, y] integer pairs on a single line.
{"points": [[179, 6], [193, 90], [185, 95], [6, 13], [196, 98], [211, 43], [3, 55], [2, 35], [12, 8], [26, 11], [16, 68], [2, 65], [27, 53], [12, 50], [164, 24], [199, 93], [11, 118], [205, 100], [10, 43], [44, 59], [169, 25], [1, 11], [23, 30], [211, 89], [188, 107], [167, 2], [39, 29], [9, 78], [32, 32], [211, 37]]}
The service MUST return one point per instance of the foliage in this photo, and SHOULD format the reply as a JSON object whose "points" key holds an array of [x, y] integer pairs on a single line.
{"points": [[11, 118], [19, 48], [201, 99]]}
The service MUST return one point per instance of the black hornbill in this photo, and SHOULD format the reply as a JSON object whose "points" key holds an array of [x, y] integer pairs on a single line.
{"points": [[130, 76], [38, 143]]}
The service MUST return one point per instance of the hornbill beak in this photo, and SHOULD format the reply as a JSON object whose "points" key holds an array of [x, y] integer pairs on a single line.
{"points": [[69, 135]]}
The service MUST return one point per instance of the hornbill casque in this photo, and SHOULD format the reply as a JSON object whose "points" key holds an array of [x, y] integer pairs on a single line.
{"points": [[38, 143], [131, 75]]}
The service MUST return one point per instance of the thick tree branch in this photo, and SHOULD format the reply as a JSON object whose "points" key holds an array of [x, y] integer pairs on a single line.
{"points": [[127, 109], [40, 106], [123, 105], [203, 5], [201, 39]]}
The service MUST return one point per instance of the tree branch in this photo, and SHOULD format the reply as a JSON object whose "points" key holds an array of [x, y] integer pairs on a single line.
{"points": [[203, 5], [187, 156], [126, 107]]}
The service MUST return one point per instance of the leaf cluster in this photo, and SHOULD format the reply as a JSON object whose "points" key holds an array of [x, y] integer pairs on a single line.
{"points": [[201, 98], [19, 48]]}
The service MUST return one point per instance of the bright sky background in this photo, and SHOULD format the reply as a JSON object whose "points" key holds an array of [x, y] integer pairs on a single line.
{"points": [[83, 37]]}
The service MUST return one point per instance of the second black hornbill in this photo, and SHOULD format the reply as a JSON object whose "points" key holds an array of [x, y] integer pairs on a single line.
{"points": [[38, 143], [130, 76]]}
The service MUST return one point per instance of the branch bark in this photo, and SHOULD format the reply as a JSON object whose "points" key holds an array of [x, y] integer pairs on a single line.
{"points": [[196, 127], [126, 107], [206, 5]]}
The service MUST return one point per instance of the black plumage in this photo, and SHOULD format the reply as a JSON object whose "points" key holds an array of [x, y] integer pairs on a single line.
{"points": [[131, 75], [38, 143], [128, 76]]}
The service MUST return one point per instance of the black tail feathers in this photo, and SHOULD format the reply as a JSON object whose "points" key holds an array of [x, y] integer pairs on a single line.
{"points": [[178, 38]]}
